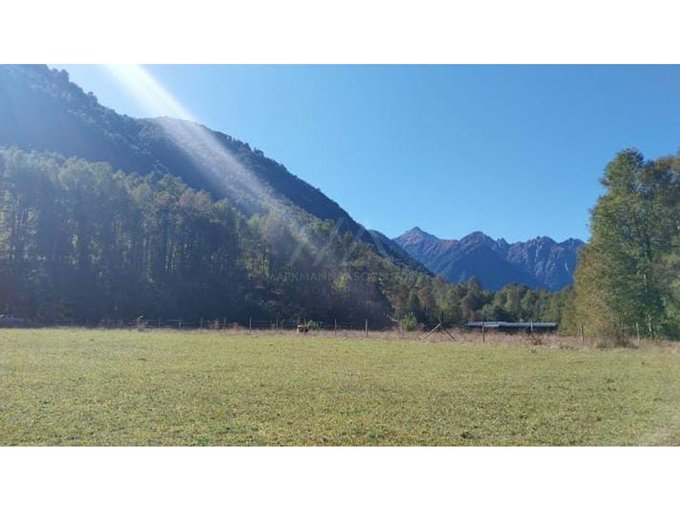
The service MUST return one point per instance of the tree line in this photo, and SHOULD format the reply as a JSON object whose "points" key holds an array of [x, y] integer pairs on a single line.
{"points": [[627, 282], [81, 241]]}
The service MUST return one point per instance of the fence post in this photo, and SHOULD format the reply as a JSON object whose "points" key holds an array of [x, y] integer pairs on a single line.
{"points": [[250, 325], [483, 333], [335, 327], [366, 328], [583, 334], [637, 328], [201, 326]]}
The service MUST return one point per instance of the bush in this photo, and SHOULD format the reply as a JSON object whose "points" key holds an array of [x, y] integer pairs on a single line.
{"points": [[409, 322], [312, 325]]}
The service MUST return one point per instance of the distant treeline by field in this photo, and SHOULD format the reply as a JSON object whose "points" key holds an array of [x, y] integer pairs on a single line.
{"points": [[81, 241]]}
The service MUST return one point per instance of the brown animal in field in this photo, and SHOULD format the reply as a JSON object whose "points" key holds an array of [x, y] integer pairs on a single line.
{"points": [[302, 329]]}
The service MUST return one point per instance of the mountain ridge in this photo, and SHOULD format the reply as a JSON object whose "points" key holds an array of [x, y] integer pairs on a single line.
{"points": [[79, 126], [541, 262]]}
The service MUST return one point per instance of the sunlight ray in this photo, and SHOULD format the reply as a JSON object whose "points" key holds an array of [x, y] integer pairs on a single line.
{"points": [[200, 144]]}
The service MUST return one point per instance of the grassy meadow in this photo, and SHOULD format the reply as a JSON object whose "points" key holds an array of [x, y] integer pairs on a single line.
{"points": [[119, 387]]}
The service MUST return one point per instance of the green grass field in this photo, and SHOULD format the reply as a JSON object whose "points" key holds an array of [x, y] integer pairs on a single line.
{"points": [[97, 387]]}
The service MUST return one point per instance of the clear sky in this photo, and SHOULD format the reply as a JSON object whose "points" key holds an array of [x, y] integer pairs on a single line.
{"points": [[514, 151]]}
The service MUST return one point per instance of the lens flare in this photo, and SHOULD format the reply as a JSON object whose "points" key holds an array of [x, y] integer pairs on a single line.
{"points": [[199, 144], [203, 147]]}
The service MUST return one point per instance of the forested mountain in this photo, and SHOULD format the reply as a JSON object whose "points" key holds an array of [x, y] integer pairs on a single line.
{"points": [[41, 109], [538, 263]]}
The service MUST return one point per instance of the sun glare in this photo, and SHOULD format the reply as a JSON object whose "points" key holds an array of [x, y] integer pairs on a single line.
{"points": [[200, 144]]}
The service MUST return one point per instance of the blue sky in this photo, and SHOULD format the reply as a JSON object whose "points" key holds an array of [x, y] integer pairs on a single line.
{"points": [[514, 151]]}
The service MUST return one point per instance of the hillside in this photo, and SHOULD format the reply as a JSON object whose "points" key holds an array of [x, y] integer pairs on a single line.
{"points": [[537, 263], [41, 109], [79, 249]]}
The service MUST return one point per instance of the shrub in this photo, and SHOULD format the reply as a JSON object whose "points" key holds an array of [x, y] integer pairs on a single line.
{"points": [[408, 322]]}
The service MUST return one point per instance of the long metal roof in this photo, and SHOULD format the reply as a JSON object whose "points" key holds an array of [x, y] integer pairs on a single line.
{"points": [[503, 324]]}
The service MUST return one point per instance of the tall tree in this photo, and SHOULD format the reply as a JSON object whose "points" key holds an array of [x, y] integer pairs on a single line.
{"points": [[620, 283]]}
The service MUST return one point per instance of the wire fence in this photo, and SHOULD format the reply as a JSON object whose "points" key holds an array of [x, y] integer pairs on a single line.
{"points": [[277, 326], [347, 329], [223, 323], [334, 327]]}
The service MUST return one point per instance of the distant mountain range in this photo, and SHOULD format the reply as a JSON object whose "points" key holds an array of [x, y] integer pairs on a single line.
{"points": [[538, 263]]}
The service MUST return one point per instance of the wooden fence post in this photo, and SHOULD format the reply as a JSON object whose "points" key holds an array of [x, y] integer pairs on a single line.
{"points": [[201, 326], [583, 334], [335, 327], [483, 333], [366, 328], [250, 325]]}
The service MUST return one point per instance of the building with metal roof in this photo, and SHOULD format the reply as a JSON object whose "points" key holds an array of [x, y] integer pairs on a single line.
{"points": [[512, 326]]}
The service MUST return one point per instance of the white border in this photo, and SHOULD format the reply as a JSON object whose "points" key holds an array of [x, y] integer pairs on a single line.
{"points": [[349, 31], [343, 478], [352, 31]]}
